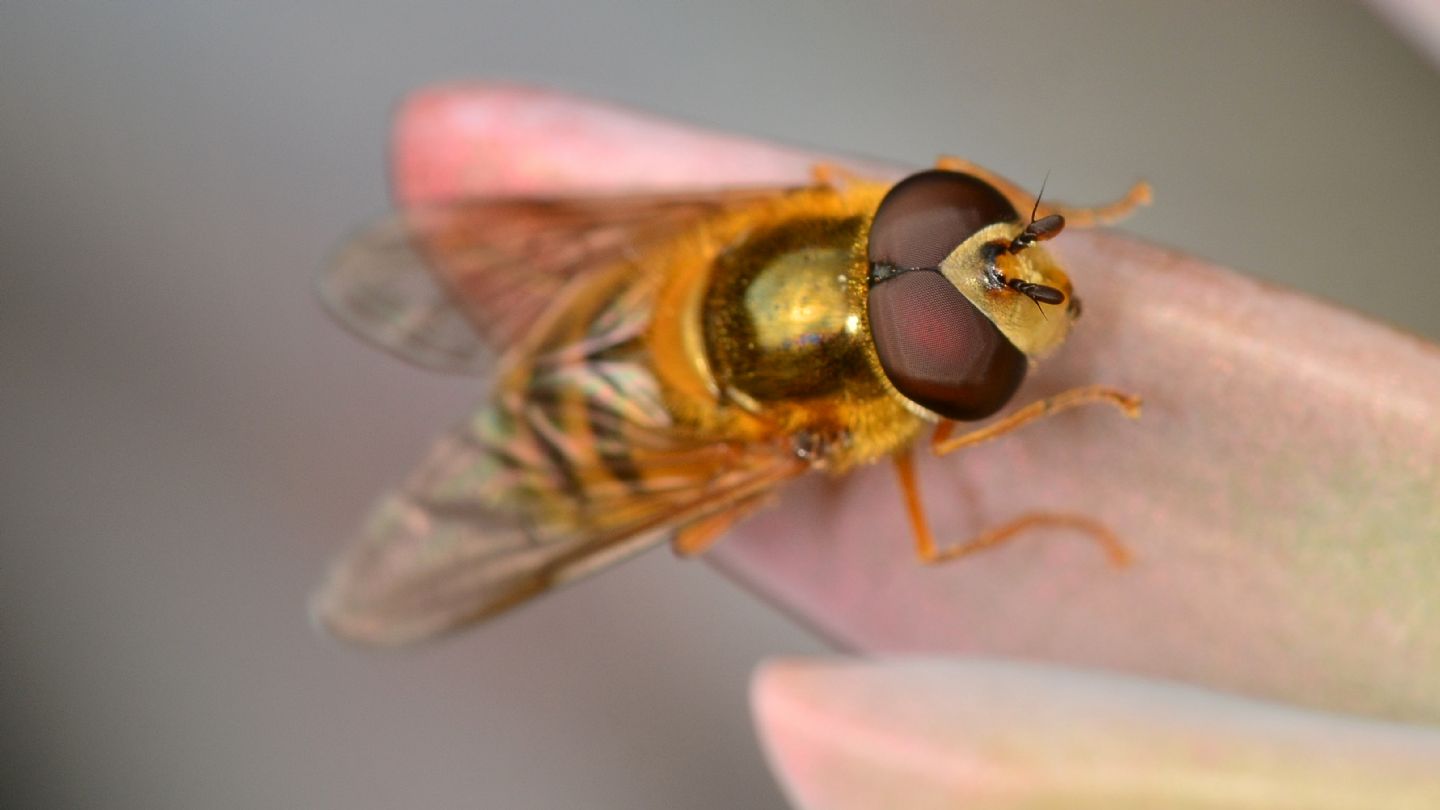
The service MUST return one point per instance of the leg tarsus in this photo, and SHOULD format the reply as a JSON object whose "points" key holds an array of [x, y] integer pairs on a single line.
{"points": [[1108, 213]]}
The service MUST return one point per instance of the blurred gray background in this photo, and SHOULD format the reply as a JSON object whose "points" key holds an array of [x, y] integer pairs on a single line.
{"points": [[185, 438]]}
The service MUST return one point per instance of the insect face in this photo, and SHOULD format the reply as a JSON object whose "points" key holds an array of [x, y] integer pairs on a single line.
{"points": [[958, 291]]}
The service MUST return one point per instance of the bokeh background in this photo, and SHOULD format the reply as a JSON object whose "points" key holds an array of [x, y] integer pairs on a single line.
{"points": [[185, 439]]}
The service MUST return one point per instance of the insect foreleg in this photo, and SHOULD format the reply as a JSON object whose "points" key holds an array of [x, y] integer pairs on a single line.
{"points": [[1075, 216]]}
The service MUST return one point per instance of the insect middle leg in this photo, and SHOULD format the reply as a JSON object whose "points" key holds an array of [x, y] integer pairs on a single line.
{"points": [[1075, 216], [941, 442]]}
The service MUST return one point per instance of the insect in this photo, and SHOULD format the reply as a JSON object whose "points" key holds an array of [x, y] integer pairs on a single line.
{"points": [[660, 363]]}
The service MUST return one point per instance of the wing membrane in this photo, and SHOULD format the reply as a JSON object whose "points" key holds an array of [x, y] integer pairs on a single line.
{"points": [[574, 464], [442, 553], [381, 289], [450, 287]]}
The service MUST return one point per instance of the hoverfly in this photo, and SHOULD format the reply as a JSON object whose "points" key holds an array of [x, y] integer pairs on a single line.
{"points": [[661, 363]]}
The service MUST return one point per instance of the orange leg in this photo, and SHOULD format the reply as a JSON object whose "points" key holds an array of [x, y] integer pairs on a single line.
{"points": [[942, 443], [1075, 217], [699, 536], [930, 553]]}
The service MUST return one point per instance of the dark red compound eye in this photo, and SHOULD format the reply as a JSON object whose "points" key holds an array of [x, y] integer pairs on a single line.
{"points": [[938, 350], [936, 347], [927, 215]]}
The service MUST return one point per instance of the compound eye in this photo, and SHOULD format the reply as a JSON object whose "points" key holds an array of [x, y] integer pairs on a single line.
{"points": [[938, 350], [926, 216]]}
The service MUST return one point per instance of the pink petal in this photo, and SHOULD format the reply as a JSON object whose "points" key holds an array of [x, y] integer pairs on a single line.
{"points": [[989, 734], [1281, 492], [486, 139], [1416, 20]]}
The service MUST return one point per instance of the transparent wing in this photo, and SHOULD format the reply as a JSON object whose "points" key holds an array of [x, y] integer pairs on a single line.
{"points": [[450, 287], [464, 540], [381, 289], [575, 463]]}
